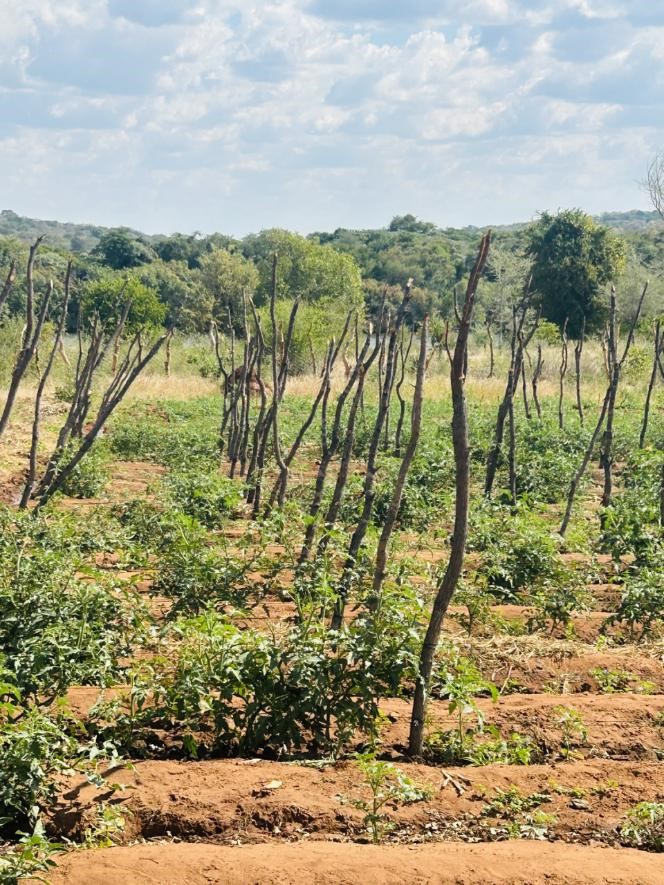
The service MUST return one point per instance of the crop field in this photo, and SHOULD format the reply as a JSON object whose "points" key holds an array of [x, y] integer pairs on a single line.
{"points": [[214, 625]]}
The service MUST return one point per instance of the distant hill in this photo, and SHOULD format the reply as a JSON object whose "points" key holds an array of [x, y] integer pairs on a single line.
{"points": [[634, 220], [84, 237], [61, 234]]}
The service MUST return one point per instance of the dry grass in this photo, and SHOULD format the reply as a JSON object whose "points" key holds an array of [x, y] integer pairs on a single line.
{"points": [[177, 387]]}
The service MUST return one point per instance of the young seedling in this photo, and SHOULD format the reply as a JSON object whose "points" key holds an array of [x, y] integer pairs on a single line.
{"points": [[387, 785]]}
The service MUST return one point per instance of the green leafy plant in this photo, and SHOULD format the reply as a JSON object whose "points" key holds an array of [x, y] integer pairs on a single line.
{"points": [[29, 859], [387, 786], [460, 682], [556, 599], [521, 814], [573, 731], [57, 627], [222, 690], [611, 681], [641, 607], [643, 827], [204, 495], [90, 476]]}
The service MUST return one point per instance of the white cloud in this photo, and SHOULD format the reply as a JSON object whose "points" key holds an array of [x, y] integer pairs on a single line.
{"points": [[316, 114]]}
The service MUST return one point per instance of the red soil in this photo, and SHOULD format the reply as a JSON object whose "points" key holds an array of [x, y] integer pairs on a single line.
{"points": [[325, 863]]}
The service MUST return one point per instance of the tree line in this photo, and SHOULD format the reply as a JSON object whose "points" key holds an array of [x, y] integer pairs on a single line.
{"points": [[198, 280]]}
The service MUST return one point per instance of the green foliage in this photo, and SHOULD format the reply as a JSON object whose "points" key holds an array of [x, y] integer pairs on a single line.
{"points": [[426, 491], [518, 549], [573, 258], [458, 680], [546, 459], [306, 269], [36, 750], [208, 497], [174, 434], [572, 729], [227, 278], [223, 690], [478, 603], [387, 785], [56, 628], [557, 598], [28, 860], [193, 573], [611, 681], [393, 256], [641, 607], [188, 305], [643, 827], [631, 523], [90, 476], [494, 749], [107, 296], [521, 814], [120, 248]]}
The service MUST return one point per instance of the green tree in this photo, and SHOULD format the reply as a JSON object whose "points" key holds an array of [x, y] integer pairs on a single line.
{"points": [[306, 269], [188, 304], [227, 277], [107, 296], [410, 223], [119, 249], [573, 258]]}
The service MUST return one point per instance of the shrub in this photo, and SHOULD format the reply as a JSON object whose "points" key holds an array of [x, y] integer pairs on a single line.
{"points": [[197, 575], [90, 476], [641, 606], [387, 785], [206, 496], [56, 629], [517, 549], [223, 690], [644, 827]]}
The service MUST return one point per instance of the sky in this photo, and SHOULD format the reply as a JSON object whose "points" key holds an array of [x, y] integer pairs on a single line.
{"points": [[188, 115]]}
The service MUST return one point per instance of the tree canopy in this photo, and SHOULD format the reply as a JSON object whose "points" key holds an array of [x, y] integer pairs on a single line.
{"points": [[306, 269], [118, 249], [573, 257]]}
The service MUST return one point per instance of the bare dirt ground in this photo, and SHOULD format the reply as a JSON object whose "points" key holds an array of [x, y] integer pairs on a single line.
{"points": [[327, 863]]}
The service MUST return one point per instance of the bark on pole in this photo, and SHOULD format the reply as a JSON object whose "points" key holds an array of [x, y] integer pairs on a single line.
{"points": [[450, 579], [34, 322], [369, 486], [330, 442], [537, 374], [407, 460], [562, 373], [519, 343], [8, 284], [489, 333], [131, 367], [651, 385], [403, 359], [34, 444], [279, 489], [606, 456], [614, 366], [578, 352]]}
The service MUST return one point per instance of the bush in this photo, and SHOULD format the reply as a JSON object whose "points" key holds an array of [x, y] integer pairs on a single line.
{"points": [[641, 606], [90, 476], [223, 690], [197, 575], [644, 827], [55, 628], [546, 459], [517, 549], [206, 496]]}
